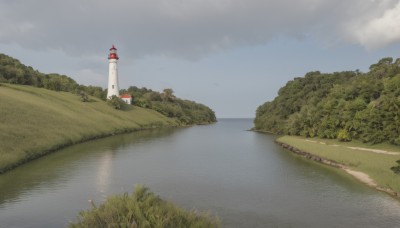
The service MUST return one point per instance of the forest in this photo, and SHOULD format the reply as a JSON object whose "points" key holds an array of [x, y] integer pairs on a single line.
{"points": [[187, 112], [342, 105]]}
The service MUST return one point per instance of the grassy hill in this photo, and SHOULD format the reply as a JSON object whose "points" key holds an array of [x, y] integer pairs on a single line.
{"points": [[187, 112], [36, 121]]}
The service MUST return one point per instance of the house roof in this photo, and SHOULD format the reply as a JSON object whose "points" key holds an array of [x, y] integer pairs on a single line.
{"points": [[126, 96]]}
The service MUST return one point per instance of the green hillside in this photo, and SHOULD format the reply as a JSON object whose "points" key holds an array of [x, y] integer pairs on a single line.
{"points": [[187, 112], [35, 121], [344, 105]]}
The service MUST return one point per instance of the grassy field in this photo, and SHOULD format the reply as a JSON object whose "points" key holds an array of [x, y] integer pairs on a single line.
{"points": [[376, 164], [36, 121]]}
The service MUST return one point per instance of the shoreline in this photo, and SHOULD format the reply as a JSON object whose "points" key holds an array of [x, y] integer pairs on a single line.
{"points": [[38, 122], [360, 176], [56, 148]]}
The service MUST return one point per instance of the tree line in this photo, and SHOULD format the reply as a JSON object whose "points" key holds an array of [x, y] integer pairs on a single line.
{"points": [[14, 72], [187, 112], [342, 105]]}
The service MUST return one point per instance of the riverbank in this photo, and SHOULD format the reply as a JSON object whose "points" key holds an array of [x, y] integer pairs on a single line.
{"points": [[368, 164], [36, 121]]}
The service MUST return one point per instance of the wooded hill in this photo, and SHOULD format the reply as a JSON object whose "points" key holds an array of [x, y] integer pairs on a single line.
{"points": [[344, 105], [187, 112]]}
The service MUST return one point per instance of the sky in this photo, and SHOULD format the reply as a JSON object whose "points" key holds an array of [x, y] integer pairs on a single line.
{"points": [[231, 55]]}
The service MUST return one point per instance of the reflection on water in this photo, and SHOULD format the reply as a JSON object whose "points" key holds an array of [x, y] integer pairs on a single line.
{"points": [[242, 176], [104, 174], [54, 170]]}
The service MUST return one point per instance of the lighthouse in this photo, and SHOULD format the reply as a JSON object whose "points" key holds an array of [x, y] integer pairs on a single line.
{"points": [[113, 88]]}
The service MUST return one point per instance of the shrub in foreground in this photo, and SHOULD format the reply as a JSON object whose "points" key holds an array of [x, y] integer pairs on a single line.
{"points": [[142, 209]]}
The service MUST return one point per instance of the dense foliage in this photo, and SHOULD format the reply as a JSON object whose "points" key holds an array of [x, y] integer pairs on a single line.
{"points": [[141, 209], [187, 112], [344, 105], [14, 72]]}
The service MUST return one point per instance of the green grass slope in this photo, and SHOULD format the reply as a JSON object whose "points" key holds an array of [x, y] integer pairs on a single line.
{"points": [[35, 121]]}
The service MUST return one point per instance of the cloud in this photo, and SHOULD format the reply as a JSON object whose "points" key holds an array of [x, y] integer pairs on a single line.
{"points": [[190, 29], [379, 30]]}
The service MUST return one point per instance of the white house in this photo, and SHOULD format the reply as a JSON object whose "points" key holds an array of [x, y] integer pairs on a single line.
{"points": [[126, 98]]}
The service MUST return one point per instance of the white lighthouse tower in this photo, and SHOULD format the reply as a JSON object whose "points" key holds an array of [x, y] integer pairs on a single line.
{"points": [[113, 88]]}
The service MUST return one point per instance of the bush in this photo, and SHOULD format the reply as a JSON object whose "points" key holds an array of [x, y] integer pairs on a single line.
{"points": [[396, 169], [344, 136], [84, 96], [116, 102], [142, 209]]}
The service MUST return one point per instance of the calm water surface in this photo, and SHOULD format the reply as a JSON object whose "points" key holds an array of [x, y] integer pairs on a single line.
{"points": [[242, 176]]}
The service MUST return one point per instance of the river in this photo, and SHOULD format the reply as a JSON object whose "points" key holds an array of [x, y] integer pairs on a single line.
{"points": [[241, 176]]}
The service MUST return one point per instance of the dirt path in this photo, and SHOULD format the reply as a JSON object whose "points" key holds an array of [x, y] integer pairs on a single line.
{"points": [[374, 150], [359, 148]]}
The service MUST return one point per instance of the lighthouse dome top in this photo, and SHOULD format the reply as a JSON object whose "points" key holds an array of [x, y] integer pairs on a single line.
{"points": [[113, 53], [113, 47]]}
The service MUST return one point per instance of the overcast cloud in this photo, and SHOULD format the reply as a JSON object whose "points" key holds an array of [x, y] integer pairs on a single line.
{"points": [[240, 52], [192, 28]]}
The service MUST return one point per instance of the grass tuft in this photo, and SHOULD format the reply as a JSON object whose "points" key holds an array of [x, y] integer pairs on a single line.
{"points": [[141, 209]]}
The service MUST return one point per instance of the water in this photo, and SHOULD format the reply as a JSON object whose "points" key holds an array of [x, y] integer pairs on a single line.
{"points": [[243, 177]]}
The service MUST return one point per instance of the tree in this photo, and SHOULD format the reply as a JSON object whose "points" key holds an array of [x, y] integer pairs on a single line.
{"points": [[167, 95], [343, 135], [345, 105], [84, 96]]}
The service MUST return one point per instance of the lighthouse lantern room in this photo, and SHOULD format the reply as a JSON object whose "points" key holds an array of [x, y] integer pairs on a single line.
{"points": [[113, 88]]}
